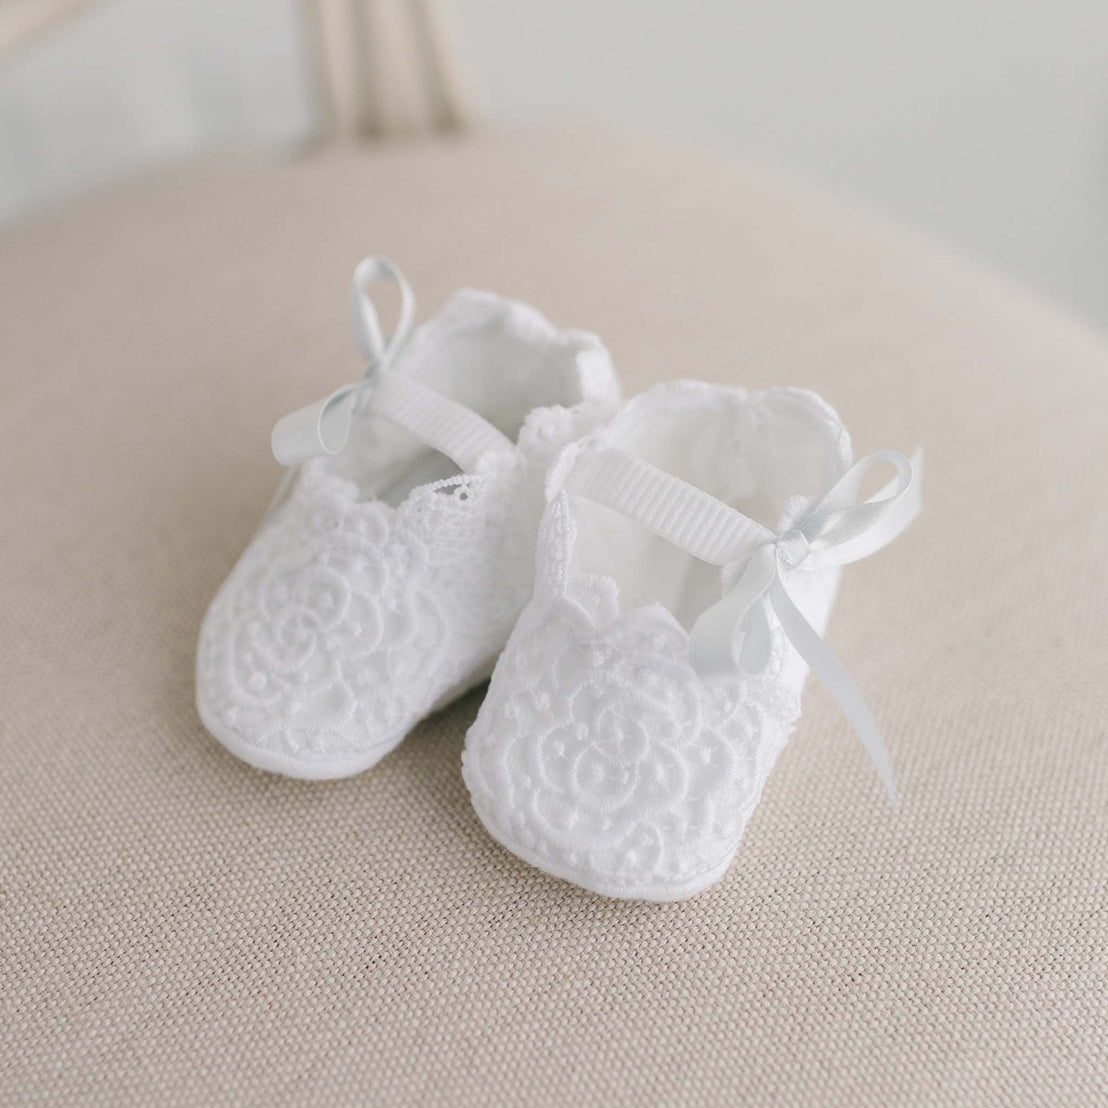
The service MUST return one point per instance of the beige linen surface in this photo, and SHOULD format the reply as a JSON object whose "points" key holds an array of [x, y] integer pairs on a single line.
{"points": [[177, 928]]}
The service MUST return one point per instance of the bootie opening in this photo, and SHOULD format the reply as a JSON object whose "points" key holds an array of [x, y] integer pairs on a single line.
{"points": [[499, 358], [760, 453]]}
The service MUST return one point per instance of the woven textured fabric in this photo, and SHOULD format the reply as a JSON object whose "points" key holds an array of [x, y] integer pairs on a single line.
{"points": [[178, 928]]}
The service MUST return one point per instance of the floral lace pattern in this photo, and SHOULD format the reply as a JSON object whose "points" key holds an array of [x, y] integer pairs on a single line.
{"points": [[348, 620], [345, 620], [601, 757]]}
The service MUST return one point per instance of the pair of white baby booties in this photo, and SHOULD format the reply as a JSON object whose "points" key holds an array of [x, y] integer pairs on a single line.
{"points": [[646, 583]]}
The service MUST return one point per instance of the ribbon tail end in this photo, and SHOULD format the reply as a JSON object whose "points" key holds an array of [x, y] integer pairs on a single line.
{"points": [[827, 668], [885, 772]]}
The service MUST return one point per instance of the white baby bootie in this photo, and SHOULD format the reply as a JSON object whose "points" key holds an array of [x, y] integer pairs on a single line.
{"points": [[634, 716], [387, 581]]}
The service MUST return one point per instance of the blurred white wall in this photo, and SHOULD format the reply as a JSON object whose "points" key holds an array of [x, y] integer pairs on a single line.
{"points": [[125, 86], [984, 120]]}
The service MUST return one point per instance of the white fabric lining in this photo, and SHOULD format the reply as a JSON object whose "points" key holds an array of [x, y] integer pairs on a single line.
{"points": [[764, 454]]}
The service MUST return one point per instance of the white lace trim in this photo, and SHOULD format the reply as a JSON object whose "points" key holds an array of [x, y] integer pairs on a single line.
{"points": [[348, 620], [599, 755]]}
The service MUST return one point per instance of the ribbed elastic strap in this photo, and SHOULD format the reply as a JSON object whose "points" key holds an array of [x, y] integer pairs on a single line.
{"points": [[443, 424], [324, 427], [680, 513]]}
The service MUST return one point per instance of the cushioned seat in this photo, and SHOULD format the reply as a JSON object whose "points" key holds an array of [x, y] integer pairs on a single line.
{"points": [[178, 927]]}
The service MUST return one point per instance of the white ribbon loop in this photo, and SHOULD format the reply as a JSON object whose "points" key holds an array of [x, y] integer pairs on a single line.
{"points": [[375, 348], [840, 530], [323, 427], [734, 633], [319, 428]]}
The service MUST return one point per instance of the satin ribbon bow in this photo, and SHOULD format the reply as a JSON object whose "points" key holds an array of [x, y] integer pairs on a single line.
{"points": [[734, 633], [323, 427]]}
